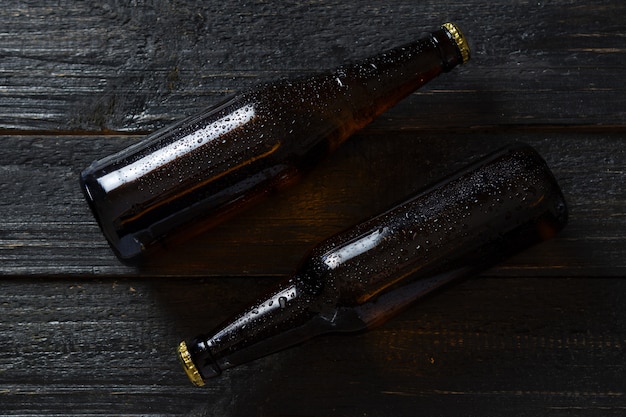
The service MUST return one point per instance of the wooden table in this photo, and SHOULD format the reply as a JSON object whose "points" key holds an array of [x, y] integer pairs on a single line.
{"points": [[81, 334]]}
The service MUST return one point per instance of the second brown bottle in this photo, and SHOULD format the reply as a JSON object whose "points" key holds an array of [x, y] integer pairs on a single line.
{"points": [[209, 166]]}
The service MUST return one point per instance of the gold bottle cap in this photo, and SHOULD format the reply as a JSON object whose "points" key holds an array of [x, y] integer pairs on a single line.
{"points": [[189, 366], [459, 39]]}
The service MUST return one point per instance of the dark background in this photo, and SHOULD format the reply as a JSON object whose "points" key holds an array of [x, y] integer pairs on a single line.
{"points": [[81, 334]]}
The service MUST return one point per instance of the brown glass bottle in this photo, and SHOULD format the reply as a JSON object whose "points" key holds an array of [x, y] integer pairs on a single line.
{"points": [[361, 277], [222, 160]]}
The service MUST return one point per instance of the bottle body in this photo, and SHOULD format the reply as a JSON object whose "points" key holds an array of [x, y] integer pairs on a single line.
{"points": [[209, 166], [360, 277]]}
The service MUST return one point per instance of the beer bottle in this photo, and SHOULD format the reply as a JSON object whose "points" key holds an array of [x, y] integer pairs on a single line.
{"points": [[203, 169], [361, 277]]}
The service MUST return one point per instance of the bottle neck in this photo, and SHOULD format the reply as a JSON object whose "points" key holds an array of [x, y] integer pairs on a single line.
{"points": [[289, 315], [450, 50], [372, 86]]}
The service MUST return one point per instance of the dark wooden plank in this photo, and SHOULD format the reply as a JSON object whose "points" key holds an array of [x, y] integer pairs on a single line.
{"points": [[47, 229], [488, 347], [82, 335], [137, 66]]}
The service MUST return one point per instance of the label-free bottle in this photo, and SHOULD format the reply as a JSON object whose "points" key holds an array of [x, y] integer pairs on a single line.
{"points": [[361, 277], [203, 169]]}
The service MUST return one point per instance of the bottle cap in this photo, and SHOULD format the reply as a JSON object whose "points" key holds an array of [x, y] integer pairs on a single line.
{"points": [[459, 39], [189, 366]]}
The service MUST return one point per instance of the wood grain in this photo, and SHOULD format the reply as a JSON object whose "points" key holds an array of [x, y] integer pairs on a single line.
{"points": [[83, 335], [529, 346], [135, 67], [61, 237]]}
